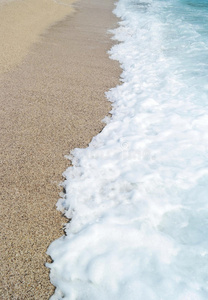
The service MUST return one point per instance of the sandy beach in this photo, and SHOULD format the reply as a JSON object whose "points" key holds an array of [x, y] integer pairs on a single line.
{"points": [[52, 100]]}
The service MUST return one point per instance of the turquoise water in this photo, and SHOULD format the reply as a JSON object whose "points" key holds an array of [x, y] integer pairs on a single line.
{"points": [[183, 34], [187, 39]]}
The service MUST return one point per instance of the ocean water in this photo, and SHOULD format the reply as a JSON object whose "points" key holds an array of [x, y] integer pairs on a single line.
{"points": [[138, 195]]}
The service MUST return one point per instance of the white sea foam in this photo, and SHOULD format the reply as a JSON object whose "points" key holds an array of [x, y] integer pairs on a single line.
{"points": [[137, 195]]}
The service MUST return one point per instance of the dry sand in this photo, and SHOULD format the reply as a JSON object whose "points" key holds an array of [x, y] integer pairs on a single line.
{"points": [[50, 103], [22, 22]]}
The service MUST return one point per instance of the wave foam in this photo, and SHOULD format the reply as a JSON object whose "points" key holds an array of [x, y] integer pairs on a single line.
{"points": [[137, 195]]}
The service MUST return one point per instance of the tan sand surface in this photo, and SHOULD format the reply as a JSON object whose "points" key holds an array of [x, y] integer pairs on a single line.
{"points": [[50, 103], [22, 22]]}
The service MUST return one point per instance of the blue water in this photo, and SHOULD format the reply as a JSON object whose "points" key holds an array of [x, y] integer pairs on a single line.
{"points": [[185, 34], [183, 26], [186, 39]]}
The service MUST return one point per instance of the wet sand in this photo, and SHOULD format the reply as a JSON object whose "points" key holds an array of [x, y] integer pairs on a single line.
{"points": [[50, 103]]}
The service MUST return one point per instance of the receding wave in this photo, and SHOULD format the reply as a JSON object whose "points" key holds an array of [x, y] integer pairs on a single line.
{"points": [[137, 196]]}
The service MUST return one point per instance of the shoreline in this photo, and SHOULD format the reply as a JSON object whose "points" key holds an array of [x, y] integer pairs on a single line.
{"points": [[55, 102]]}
